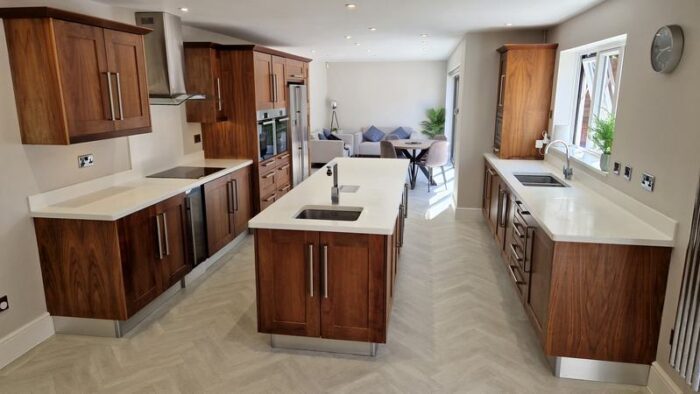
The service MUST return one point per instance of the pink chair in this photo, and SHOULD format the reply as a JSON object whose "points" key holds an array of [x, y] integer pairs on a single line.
{"points": [[437, 156]]}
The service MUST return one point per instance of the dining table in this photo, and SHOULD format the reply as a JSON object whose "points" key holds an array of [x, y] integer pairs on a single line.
{"points": [[414, 150]]}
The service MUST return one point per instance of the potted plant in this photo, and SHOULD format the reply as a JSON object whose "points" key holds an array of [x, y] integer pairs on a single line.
{"points": [[435, 124], [602, 135]]}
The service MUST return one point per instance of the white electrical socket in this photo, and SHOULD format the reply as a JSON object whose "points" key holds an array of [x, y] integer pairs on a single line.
{"points": [[86, 160], [539, 144]]}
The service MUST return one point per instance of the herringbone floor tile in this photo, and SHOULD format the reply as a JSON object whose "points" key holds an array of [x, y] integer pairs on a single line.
{"points": [[456, 327]]}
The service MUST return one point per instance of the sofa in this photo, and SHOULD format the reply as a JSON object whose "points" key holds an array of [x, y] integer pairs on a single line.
{"points": [[369, 148], [323, 151]]}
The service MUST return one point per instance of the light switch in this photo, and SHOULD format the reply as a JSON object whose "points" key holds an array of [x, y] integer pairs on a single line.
{"points": [[648, 182], [628, 173], [616, 168]]}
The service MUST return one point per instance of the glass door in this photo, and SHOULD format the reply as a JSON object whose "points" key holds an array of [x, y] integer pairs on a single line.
{"points": [[266, 138], [281, 131]]}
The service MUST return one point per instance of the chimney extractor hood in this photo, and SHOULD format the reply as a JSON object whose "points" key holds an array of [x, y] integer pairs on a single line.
{"points": [[165, 58]]}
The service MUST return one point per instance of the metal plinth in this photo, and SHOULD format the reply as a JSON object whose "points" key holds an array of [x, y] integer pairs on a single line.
{"points": [[112, 328], [600, 371], [323, 345]]}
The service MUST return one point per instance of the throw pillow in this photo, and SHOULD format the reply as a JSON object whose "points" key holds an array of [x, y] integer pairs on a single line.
{"points": [[327, 132], [334, 137], [401, 133], [322, 137], [373, 134]]}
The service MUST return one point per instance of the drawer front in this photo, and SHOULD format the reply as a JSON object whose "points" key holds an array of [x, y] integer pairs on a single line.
{"points": [[284, 175], [268, 200], [519, 279], [267, 182], [267, 166], [283, 190], [283, 159]]}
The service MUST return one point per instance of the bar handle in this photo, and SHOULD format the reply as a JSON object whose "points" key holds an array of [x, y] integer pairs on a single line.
{"points": [[218, 93], [311, 270], [165, 233], [192, 229], [500, 90], [160, 238], [234, 187], [325, 271], [512, 268], [514, 252], [110, 91], [119, 96]]}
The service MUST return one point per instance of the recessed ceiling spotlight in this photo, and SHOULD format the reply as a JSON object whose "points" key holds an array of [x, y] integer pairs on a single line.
{"points": [[509, 24], [348, 37], [350, 6], [313, 51], [424, 35], [372, 29], [184, 9]]}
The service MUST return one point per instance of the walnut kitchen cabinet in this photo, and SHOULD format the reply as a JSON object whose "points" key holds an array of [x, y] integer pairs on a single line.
{"points": [[228, 208], [112, 269], [524, 97], [76, 78], [204, 75]]}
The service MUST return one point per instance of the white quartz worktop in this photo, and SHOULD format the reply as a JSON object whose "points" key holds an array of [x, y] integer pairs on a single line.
{"points": [[381, 185], [578, 213], [116, 196]]}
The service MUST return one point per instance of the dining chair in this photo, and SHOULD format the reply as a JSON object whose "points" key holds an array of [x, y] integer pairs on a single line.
{"points": [[437, 156], [387, 150]]}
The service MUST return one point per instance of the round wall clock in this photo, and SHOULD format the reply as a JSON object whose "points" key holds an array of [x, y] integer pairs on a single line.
{"points": [[667, 48]]}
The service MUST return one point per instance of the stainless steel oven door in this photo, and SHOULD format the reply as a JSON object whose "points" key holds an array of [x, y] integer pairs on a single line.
{"points": [[266, 139]]}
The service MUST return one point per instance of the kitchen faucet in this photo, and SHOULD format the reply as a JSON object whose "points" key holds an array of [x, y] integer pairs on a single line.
{"points": [[335, 191], [568, 171]]}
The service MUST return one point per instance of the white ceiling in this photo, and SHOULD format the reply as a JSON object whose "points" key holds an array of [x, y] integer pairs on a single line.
{"points": [[300, 26]]}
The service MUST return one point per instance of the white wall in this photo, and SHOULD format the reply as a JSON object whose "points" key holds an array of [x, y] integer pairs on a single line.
{"points": [[657, 128], [479, 69], [318, 95], [385, 94]]}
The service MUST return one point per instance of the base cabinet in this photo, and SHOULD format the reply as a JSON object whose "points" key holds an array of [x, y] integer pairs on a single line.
{"points": [[227, 203], [321, 284]]}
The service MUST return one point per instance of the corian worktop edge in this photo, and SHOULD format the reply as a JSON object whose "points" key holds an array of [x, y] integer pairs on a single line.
{"points": [[48, 204], [651, 235], [381, 183]]}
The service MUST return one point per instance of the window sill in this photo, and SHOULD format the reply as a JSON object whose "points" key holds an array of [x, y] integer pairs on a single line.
{"points": [[589, 160]]}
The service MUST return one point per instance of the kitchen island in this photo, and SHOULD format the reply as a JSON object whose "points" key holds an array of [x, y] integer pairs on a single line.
{"points": [[328, 285]]}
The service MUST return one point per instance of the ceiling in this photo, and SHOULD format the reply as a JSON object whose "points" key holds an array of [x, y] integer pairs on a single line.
{"points": [[318, 28]]}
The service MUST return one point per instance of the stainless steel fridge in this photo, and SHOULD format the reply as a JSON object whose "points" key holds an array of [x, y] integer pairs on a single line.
{"points": [[299, 132]]}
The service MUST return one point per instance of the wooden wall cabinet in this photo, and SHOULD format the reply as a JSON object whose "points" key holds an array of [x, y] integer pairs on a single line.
{"points": [[112, 269], [204, 75], [524, 98], [328, 285], [228, 208], [76, 78]]}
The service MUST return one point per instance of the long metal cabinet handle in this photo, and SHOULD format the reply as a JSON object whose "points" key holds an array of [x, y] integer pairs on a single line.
{"points": [[229, 196], [274, 78], [515, 254], [325, 271], [192, 230], [160, 238], [512, 268], [234, 184], [218, 91], [269, 122], [165, 232], [500, 91], [272, 86], [111, 95], [311, 270], [119, 96], [405, 204], [499, 208]]}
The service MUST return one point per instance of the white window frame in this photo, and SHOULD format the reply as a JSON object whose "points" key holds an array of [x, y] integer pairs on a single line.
{"points": [[600, 51]]}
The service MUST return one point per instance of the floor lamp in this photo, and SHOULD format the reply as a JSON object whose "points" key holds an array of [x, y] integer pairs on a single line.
{"points": [[334, 115]]}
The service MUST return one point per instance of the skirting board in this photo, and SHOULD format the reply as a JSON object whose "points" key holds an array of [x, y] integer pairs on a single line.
{"points": [[468, 214], [25, 338], [660, 382]]}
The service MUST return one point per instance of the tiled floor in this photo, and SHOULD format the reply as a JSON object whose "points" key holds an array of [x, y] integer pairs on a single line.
{"points": [[456, 327]]}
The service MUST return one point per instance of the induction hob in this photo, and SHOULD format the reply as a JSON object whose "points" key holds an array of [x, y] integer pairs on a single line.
{"points": [[186, 172]]}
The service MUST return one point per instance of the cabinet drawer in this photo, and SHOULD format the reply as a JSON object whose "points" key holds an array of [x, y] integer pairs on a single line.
{"points": [[284, 175], [267, 165], [268, 200], [281, 191], [282, 159], [267, 182], [519, 278]]}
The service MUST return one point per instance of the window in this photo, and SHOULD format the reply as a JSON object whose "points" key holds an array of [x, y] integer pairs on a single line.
{"points": [[598, 87]]}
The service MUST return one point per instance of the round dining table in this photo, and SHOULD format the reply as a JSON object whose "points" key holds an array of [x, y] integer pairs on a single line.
{"points": [[414, 150]]}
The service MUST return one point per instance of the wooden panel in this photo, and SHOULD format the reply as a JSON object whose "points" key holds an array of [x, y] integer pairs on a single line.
{"points": [[268, 199], [48, 12], [200, 78], [540, 281], [267, 182], [284, 174], [263, 81], [294, 71], [83, 65], [355, 307], [219, 212], [175, 264], [81, 268], [243, 204], [285, 303], [504, 206], [279, 87], [35, 78], [126, 56], [494, 201], [527, 93], [606, 301], [138, 237]]}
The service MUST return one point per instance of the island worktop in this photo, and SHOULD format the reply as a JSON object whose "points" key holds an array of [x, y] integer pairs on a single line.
{"points": [[380, 187]]}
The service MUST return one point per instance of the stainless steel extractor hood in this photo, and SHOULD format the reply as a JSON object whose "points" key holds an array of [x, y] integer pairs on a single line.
{"points": [[165, 58]]}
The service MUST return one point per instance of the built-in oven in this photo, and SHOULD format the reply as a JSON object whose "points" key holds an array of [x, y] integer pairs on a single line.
{"points": [[272, 132]]}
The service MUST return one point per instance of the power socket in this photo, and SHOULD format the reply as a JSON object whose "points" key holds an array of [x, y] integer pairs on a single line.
{"points": [[4, 304], [86, 160]]}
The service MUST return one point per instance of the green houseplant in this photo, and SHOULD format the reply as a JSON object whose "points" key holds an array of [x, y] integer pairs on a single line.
{"points": [[602, 135], [435, 124]]}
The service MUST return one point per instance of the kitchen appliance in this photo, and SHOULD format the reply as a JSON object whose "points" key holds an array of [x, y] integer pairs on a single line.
{"points": [[165, 59], [186, 172], [272, 132], [298, 112]]}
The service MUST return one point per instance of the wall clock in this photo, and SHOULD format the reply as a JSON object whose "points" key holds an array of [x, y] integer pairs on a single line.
{"points": [[667, 48]]}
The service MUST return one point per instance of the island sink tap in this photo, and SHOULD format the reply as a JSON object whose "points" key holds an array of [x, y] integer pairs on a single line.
{"points": [[335, 190], [568, 171]]}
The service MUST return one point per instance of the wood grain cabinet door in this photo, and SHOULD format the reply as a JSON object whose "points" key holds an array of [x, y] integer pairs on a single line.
{"points": [[175, 264], [242, 207], [218, 203], [542, 256], [126, 59], [83, 70], [262, 70], [279, 87], [504, 214], [354, 295], [494, 202], [138, 235], [288, 285]]}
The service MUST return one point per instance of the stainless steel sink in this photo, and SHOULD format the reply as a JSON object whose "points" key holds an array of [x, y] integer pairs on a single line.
{"points": [[539, 180], [346, 214]]}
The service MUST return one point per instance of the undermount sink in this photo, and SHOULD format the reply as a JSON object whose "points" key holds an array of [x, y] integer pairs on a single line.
{"points": [[346, 214], [539, 180]]}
